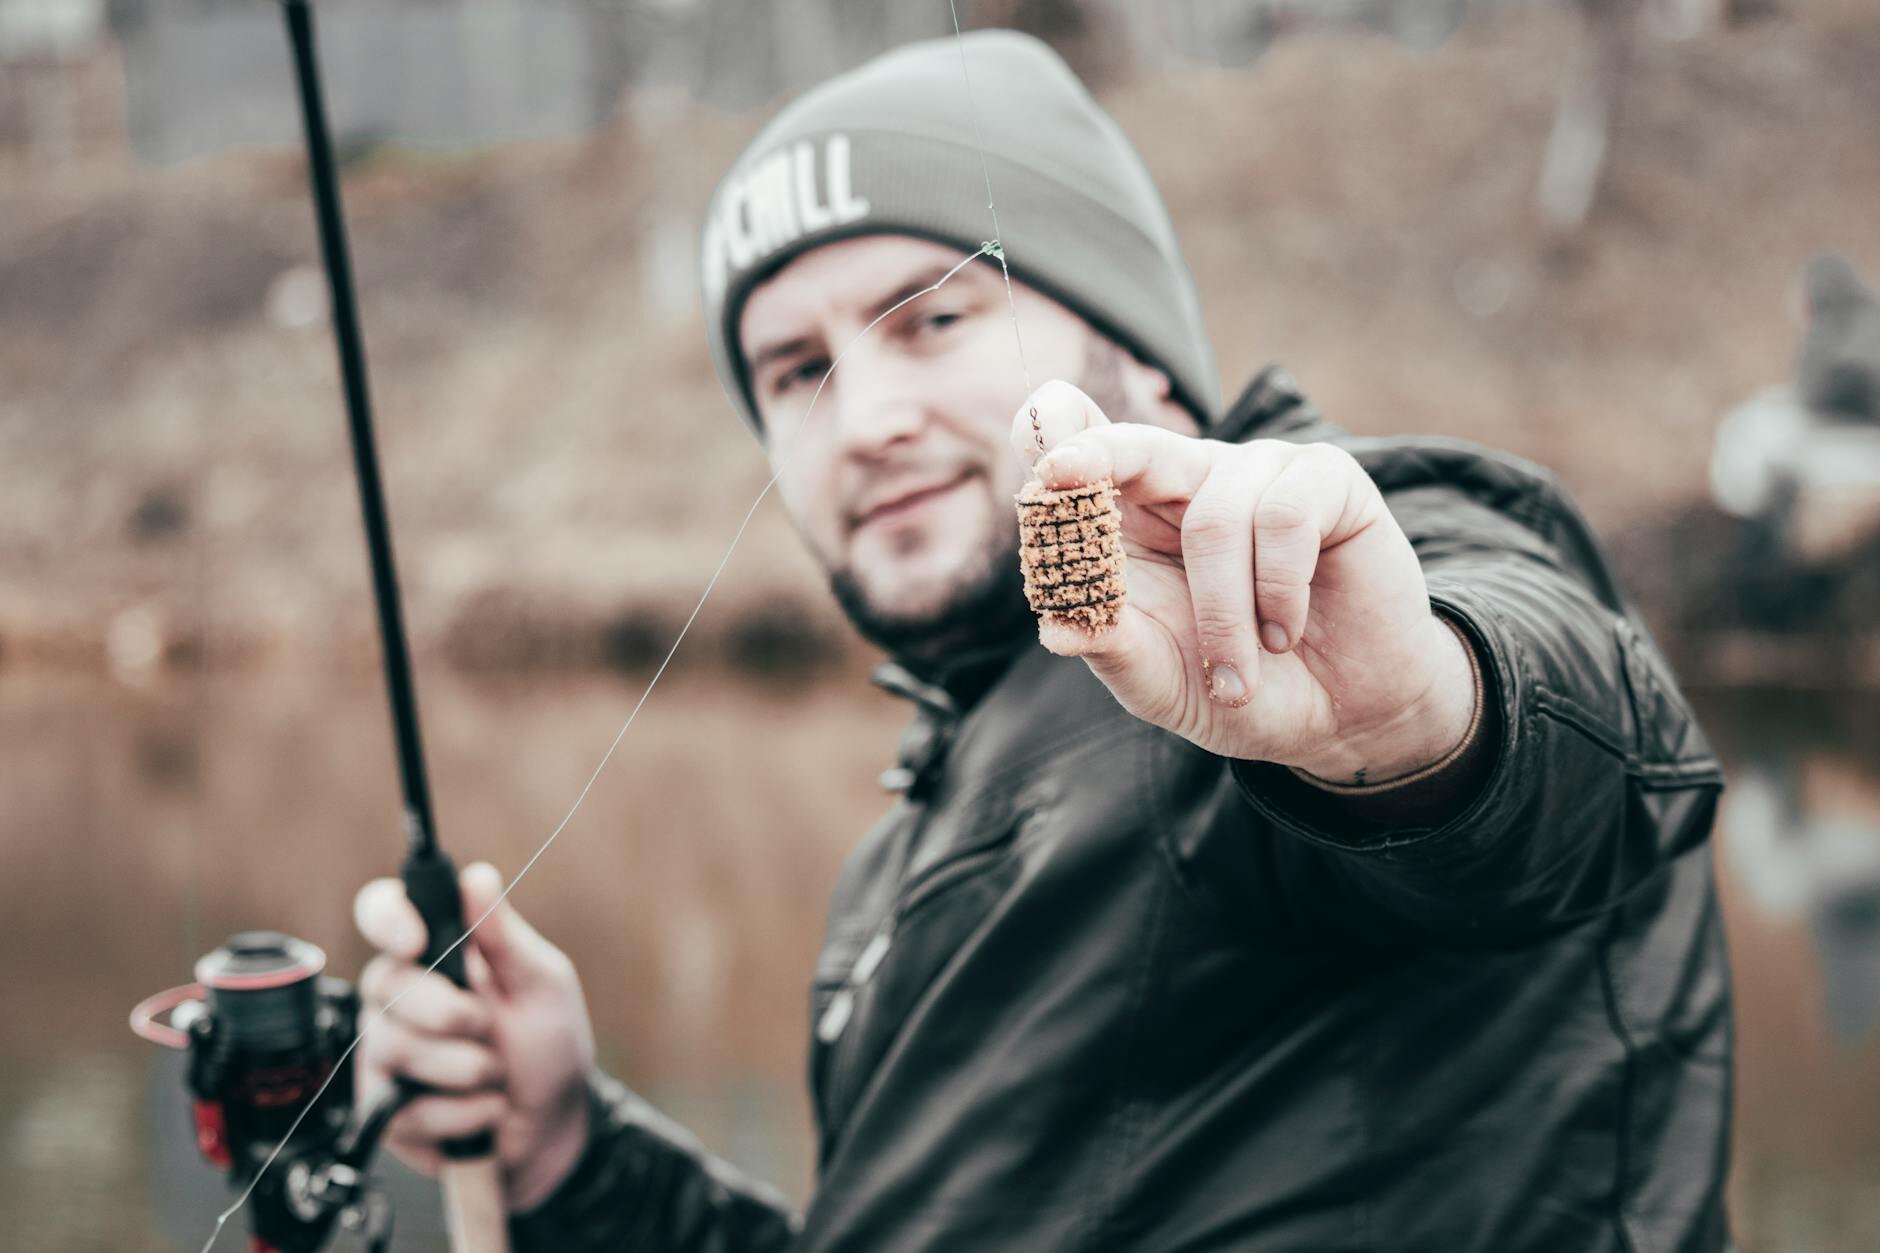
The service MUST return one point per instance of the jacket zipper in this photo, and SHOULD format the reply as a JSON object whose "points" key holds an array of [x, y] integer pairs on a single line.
{"points": [[838, 1016], [842, 1005]]}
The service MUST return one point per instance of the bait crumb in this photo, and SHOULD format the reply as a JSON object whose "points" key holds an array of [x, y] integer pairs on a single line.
{"points": [[1070, 549]]}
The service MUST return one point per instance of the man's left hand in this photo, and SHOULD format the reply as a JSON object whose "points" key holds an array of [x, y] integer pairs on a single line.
{"points": [[1276, 611]]}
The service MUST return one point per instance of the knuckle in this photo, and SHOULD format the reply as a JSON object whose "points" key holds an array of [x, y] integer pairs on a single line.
{"points": [[1212, 525], [390, 1048], [410, 1002], [464, 1018], [478, 1071], [1223, 639], [420, 1002], [1281, 513], [491, 1071], [1338, 466], [1219, 620], [423, 1006], [1215, 620], [443, 1066], [457, 1068], [1328, 456], [382, 981], [1278, 581]]}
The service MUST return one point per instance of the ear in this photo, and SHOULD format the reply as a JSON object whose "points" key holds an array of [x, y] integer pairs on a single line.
{"points": [[1152, 397]]}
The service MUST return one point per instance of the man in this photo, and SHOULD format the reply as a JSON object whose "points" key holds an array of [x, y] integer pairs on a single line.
{"points": [[1350, 893], [1800, 464], [1838, 374]]}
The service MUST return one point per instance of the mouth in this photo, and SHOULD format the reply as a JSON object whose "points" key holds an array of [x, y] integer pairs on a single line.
{"points": [[904, 502]]}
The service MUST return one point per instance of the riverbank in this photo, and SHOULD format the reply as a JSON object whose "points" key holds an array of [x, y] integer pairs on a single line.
{"points": [[564, 473]]}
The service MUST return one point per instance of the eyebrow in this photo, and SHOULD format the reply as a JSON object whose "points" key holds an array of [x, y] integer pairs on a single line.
{"points": [[920, 282], [773, 352], [915, 285]]}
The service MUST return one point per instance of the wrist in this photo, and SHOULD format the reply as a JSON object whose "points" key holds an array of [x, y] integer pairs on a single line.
{"points": [[558, 1151], [1426, 732]]}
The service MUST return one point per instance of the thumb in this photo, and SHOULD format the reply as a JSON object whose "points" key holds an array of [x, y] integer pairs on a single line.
{"points": [[1136, 659], [1050, 415], [515, 952]]}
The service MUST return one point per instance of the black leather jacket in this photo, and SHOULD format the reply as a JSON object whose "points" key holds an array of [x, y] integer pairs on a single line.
{"points": [[1088, 987]]}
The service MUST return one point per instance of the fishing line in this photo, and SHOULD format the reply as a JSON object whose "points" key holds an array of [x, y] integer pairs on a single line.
{"points": [[994, 248], [985, 249], [998, 236]]}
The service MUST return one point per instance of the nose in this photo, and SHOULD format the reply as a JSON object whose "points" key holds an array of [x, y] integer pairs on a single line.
{"points": [[875, 407]]}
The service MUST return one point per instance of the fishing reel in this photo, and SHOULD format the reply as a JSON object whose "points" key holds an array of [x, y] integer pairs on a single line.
{"points": [[270, 1069]]}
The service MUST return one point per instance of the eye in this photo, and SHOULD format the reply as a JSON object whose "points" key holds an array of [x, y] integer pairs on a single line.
{"points": [[805, 373], [938, 321]]}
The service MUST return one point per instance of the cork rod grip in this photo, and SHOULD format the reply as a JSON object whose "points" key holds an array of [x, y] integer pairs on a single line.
{"points": [[474, 1214]]}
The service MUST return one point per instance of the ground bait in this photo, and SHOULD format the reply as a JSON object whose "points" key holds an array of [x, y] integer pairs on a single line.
{"points": [[1070, 547]]}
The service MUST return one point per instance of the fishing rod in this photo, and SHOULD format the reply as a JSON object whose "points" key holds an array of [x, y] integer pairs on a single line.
{"points": [[268, 1033]]}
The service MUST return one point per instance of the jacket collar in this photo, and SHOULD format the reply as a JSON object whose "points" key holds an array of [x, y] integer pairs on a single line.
{"points": [[1270, 404], [942, 695]]}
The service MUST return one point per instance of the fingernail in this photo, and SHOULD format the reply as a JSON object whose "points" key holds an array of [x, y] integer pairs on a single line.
{"points": [[1060, 466], [1225, 685], [1273, 635]]}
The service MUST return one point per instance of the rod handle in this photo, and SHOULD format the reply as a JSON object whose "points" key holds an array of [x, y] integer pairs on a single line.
{"points": [[431, 883], [474, 1214]]}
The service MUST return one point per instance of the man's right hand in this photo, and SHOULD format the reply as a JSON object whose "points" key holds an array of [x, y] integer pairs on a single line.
{"points": [[511, 1053]]}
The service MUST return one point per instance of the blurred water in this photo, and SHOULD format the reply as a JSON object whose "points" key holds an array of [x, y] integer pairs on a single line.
{"points": [[140, 827]]}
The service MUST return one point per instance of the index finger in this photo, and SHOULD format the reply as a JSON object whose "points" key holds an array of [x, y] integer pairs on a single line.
{"points": [[388, 920], [1148, 465]]}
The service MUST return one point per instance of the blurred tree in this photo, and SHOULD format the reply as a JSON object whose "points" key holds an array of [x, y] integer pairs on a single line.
{"points": [[1838, 374], [1101, 41], [1589, 105]]}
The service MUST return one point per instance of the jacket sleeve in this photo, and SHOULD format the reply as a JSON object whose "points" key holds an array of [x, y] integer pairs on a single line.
{"points": [[644, 1184], [1600, 776]]}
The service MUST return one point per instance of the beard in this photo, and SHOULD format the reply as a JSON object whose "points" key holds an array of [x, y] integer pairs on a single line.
{"points": [[986, 606]]}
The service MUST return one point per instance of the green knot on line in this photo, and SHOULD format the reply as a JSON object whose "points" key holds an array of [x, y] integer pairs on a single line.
{"points": [[994, 249]]}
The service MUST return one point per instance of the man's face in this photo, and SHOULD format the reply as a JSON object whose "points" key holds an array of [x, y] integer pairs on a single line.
{"points": [[901, 479]]}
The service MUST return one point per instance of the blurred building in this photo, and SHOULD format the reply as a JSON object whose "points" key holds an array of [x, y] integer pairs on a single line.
{"points": [[59, 30], [202, 75], [1799, 465]]}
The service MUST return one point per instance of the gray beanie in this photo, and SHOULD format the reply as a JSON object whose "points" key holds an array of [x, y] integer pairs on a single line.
{"points": [[889, 148]]}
